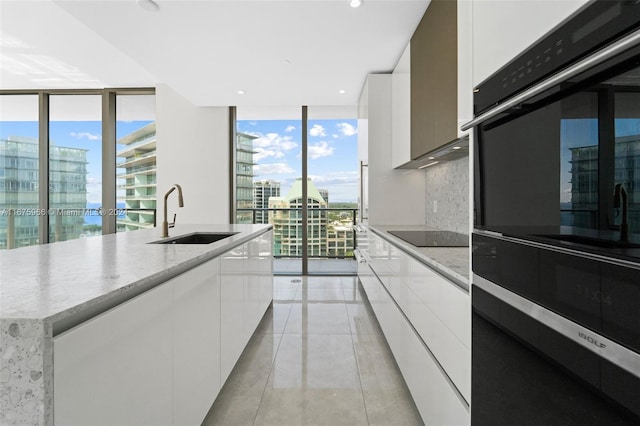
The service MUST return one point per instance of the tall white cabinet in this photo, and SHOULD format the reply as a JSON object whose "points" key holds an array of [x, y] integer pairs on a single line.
{"points": [[394, 196]]}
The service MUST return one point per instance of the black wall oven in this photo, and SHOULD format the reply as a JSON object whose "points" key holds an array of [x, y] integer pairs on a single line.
{"points": [[556, 244]]}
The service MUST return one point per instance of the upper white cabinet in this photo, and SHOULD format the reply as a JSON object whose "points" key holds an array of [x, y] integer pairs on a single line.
{"points": [[503, 29], [401, 110], [388, 188]]}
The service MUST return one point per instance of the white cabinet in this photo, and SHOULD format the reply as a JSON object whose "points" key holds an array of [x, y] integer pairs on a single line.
{"points": [[116, 369], [196, 342], [161, 357], [388, 188], [246, 290], [426, 321], [401, 110], [231, 294]]}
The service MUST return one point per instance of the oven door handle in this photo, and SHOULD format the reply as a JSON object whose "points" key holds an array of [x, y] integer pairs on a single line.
{"points": [[625, 43]]}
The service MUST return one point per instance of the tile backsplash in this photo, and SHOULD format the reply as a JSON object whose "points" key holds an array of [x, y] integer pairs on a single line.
{"points": [[447, 196]]}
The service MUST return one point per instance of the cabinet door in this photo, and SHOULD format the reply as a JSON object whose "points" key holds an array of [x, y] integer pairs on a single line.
{"points": [[265, 268], [434, 78], [196, 342], [115, 369], [231, 309], [401, 110], [252, 305]]}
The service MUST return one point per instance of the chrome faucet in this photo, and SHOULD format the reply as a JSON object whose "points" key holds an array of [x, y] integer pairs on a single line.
{"points": [[165, 224], [620, 197]]}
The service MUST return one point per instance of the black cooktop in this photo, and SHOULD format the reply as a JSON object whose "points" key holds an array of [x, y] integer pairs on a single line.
{"points": [[433, 238]]}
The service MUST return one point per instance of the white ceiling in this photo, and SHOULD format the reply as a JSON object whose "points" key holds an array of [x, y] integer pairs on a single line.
{"points": [[280, 53]]}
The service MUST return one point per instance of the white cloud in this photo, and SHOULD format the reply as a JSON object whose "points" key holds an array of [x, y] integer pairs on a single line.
{"points": [[274, 141], [335, 178], [272, 169], [262, 153], [346, 129], [317, 130], [86, 135], [320, 149], [335, 136], [289, 129]]}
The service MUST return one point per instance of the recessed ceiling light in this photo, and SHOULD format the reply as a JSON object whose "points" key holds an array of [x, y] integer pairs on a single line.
{"points": [[342, 91], [457, 147], [432, 158], [148, 5], [355, 3], [240, 92]]}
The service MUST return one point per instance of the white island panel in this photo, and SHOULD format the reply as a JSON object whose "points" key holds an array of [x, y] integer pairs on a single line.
{"points": [[115, 369]]}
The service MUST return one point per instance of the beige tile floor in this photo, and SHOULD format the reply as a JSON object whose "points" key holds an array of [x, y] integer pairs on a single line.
{"points": [[317, 358]]}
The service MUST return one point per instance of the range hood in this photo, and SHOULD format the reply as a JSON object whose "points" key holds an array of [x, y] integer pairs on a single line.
{"points": [[453, 150]]}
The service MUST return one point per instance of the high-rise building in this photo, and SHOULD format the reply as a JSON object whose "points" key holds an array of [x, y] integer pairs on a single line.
{"points": [[287, 225], [137, 183], [326, 236], [584, 182], [262, 191], [19, 174], [244, 177], [324, 192]]}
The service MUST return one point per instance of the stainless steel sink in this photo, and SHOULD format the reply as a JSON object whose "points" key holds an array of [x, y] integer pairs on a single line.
{"points": [[197, 238], [590, 241]]}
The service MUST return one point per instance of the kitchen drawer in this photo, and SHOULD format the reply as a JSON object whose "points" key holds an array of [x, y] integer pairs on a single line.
{"points": [[451, 353], [447, 301]]}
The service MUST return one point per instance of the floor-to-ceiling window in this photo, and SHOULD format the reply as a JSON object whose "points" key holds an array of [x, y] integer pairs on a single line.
{"points": [[75, 166], [136, 161], [268, 170], [285, 158], [57, 154], [332, 164], [19, 171]]}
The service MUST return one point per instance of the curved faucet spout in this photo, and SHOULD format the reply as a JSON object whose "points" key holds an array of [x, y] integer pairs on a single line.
{"points": [[165, 224]]}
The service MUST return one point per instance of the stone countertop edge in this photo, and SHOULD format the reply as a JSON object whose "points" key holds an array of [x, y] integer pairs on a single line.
{"points": [[458, 255], [116, 293]]}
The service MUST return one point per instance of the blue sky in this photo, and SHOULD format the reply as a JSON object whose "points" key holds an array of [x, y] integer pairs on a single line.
{"points": [[333, 159], [332, 152], [75, 134]]}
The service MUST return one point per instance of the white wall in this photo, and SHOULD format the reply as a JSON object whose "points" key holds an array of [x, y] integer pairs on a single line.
{"points": [[395, 197], [193, 151], [504, 28]]}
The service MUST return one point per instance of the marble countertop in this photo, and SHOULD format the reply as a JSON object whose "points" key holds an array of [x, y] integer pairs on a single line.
{"points": [[452, 262], [54, 281]]}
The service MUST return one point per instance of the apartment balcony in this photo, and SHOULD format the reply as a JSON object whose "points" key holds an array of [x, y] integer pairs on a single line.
{"points": [[149, 170], [138, 160], [146, 144]]}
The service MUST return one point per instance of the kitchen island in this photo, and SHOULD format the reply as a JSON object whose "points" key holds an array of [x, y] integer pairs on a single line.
{"points": [[50, 291]]}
